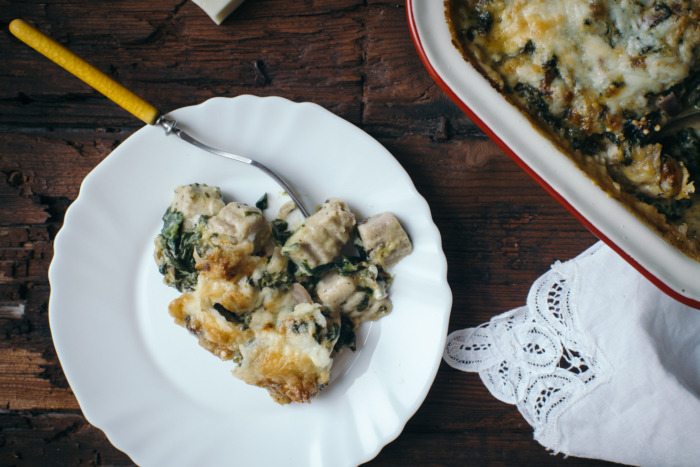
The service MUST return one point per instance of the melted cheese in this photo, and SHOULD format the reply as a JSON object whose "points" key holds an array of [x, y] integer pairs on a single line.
{"points": [[246, 308], [592, 73], [282, 346], [592, 58]]}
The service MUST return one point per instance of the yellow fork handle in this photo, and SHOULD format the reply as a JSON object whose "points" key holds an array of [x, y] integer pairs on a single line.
{"points": [[83, 70]]}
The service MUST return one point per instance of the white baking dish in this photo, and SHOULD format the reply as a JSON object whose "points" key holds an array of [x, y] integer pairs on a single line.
{"points": [[658, 261]]}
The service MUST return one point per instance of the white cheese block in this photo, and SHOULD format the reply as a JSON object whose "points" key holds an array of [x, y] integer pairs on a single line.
{"points": [[218, 10]]}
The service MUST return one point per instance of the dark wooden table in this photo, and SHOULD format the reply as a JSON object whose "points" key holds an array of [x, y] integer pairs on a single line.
{"points": [[500, 230]]}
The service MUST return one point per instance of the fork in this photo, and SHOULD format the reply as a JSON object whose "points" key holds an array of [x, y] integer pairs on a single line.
{"points": [[127, 99]]}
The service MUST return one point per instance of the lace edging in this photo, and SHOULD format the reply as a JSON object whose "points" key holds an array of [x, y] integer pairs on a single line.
{"points": [[537, 357]]}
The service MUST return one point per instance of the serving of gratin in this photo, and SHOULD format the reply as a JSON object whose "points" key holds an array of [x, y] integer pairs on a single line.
{"points": [[280, 304]]}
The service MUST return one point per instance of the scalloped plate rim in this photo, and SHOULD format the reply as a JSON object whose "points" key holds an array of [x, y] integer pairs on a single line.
{"points": [[93, 414]]}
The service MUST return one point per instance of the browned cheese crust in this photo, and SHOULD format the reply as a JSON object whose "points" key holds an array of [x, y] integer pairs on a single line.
{"points": [[602, 80]]}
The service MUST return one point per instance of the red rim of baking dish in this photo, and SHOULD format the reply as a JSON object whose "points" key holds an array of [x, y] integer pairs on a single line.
{"points": [[485, 128]]}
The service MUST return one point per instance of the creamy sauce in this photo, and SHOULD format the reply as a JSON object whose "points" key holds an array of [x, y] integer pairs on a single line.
{"points": [[257, 303]]}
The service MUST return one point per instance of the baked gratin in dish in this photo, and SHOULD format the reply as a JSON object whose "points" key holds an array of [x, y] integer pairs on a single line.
{"points": [[614, 84], [279, 304]]}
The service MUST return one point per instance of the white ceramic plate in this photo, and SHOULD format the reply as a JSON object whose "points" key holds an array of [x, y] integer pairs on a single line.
{"points": [[145, 381], [669, 269]]}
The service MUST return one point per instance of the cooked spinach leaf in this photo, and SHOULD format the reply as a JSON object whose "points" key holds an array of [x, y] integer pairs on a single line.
{"points": [[481, 20], [345, 266], [231, 317], [639, 131], [536, 104], [671, 208], [684, 146], [364, 303], [282, 281], [262, 202], [175, 249], [279, 231], [317, 271], [333, 332], [360, 247], [347, 335], [350, 264]]}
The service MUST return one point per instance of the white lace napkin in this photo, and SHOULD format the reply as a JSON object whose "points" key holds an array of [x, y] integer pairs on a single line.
{"points": [[600, 362]]}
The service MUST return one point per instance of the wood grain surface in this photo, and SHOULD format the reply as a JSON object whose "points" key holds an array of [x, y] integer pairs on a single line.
{"points": [[500, 230]]}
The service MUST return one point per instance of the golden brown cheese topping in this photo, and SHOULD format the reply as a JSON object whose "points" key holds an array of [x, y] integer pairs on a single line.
{"points": [[603, 79], [279, 304]]}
